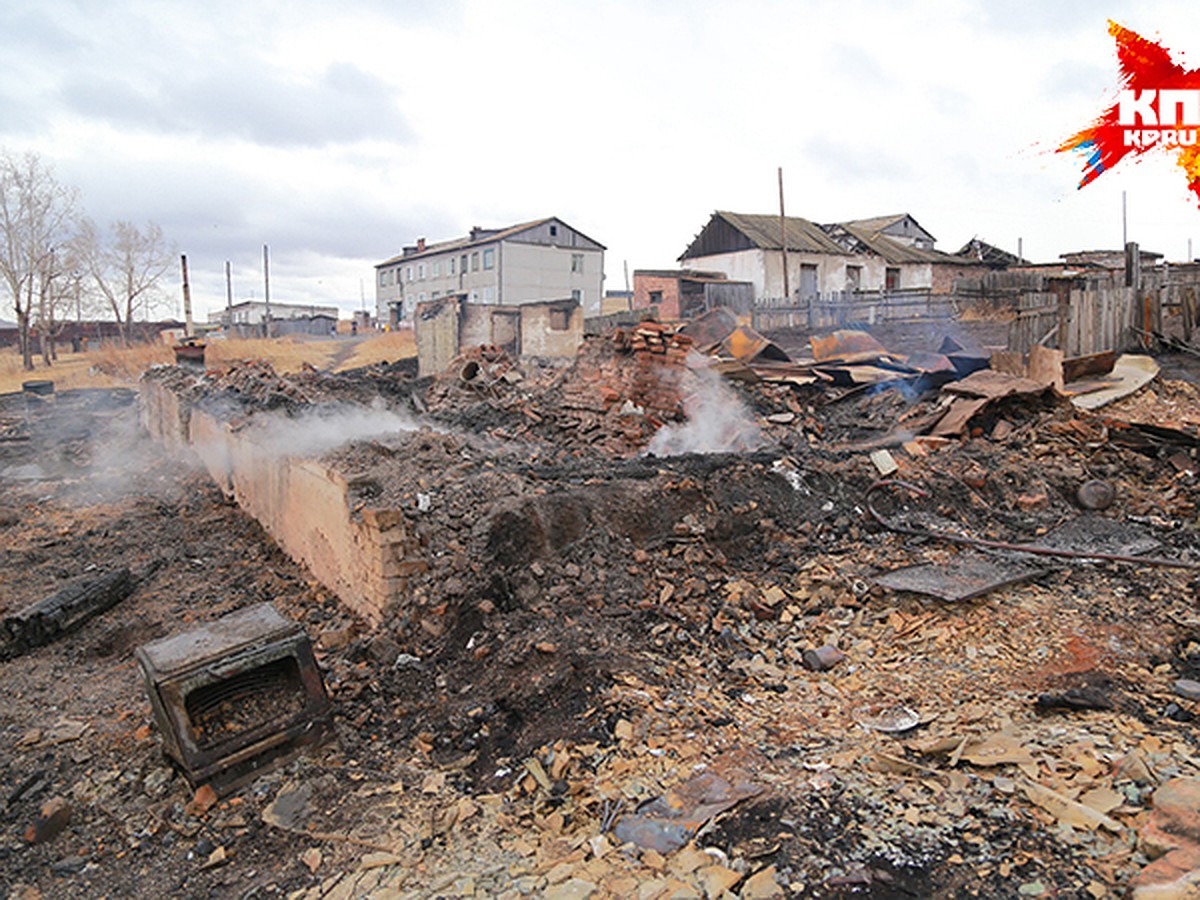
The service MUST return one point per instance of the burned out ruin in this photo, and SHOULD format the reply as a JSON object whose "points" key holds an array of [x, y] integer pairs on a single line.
{"points": [[693, 611]]}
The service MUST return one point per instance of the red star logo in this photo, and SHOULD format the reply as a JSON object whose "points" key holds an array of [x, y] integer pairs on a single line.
{"points": [[1158, 109]]}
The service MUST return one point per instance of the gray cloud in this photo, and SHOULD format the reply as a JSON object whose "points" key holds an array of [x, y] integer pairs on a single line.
{"points": [[158, 69], [252, 102], [31, 29]]}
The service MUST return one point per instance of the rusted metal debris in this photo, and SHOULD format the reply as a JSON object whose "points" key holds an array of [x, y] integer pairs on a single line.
{"points": [[668, 822], [718, 332], [1041, 548], [236, 696], [960, 579]]}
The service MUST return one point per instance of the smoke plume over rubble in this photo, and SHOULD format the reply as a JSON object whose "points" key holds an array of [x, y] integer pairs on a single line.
{"points": [[716, 421]]}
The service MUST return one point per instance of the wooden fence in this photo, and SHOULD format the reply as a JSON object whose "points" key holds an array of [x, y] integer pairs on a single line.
{"points": [[1078, 316], [1084, 321], [841, 309]]}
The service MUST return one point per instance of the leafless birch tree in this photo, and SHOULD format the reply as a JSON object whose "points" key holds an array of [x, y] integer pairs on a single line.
{"points": [[37, 214], [126, 268]]}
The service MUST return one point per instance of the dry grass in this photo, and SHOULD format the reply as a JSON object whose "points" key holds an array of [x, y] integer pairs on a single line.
{"points": [[286, 354], [113, 366], [105, 367], [387, 347], [987, 311]]}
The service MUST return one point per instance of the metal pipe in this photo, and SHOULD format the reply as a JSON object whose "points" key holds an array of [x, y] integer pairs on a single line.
{"points": [[1003, 545]]}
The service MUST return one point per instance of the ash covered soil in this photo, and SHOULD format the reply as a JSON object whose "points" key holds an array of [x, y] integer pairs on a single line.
{"points": [[599, 628]]}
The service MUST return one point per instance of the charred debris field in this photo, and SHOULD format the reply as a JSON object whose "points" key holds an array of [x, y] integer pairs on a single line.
{"points": [[684, 625]]}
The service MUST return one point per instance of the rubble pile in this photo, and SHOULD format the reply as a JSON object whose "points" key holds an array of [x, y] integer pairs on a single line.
{"points": [[253, 386], [626, 674], [611, 400]]}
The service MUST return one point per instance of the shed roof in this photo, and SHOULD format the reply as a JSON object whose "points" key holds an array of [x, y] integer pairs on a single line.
{"points": [[763, 232], [879, 223]]}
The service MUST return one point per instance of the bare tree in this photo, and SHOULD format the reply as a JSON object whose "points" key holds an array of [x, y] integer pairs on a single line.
{"points": [[36, 215], [60, 296], [126, 269]]}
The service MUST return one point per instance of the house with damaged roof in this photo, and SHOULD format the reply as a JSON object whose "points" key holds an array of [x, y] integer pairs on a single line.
{"points": [[885, 253]]}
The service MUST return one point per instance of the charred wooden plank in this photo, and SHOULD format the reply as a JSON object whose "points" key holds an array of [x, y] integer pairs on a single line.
{"points": [[63, 611]]}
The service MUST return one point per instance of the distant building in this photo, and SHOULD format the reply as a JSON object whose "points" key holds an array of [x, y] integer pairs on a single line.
{"points": [[885, 253], [254, 312], [532, 262], [1107, 259], [990, 255], [677, 294]]}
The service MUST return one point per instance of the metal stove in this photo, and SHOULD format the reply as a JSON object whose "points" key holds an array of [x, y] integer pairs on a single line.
{"points": [[236, 696]]}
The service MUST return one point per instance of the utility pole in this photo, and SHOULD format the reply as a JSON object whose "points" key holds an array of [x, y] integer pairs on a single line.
{"points": [[1124, 227], [188, 329], [228, 297], [783, 239], [266, 291]]}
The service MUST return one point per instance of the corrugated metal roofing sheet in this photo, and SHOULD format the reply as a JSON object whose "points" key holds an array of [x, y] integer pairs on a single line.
{"points": [[878, 223], [895, 252]]}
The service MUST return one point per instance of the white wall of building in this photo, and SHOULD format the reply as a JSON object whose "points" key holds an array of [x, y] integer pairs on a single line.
{"points": [[533, 272]]}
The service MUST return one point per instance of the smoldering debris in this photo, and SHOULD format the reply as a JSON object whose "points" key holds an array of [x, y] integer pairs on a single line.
{"points": [[716, 422], [88, 443]]}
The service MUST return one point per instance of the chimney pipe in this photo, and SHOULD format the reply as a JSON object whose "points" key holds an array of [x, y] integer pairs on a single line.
{"points": [[420, 245]]}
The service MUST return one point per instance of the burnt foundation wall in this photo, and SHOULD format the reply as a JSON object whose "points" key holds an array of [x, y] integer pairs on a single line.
{"points": [[364, 555]]}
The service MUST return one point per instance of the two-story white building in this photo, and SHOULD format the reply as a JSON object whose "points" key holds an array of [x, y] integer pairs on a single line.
{"points": [[528, 263]]}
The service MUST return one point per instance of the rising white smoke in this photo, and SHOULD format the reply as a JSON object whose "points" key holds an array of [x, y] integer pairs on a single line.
{"points": [[717, 421], [322, 429]]}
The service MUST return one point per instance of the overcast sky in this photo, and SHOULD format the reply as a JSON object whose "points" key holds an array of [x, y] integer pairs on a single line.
{"points": [[338, 132]]}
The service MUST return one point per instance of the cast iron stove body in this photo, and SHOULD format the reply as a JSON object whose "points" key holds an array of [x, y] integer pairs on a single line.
{"points": [[235, 696]]}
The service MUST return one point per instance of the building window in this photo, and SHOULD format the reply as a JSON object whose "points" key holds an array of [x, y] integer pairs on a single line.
{"points": [[421, 297], [489, 258], [891, 279], [450, 266], [853, 277], [559, 319], [383, 278], [576, 262], [435, 295], [577, 295], [420, 271], [487, 295], [656, 296], [408, 273], [462, 264], [475, 261], [553, 231], [474, 297], [435, 269]]}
